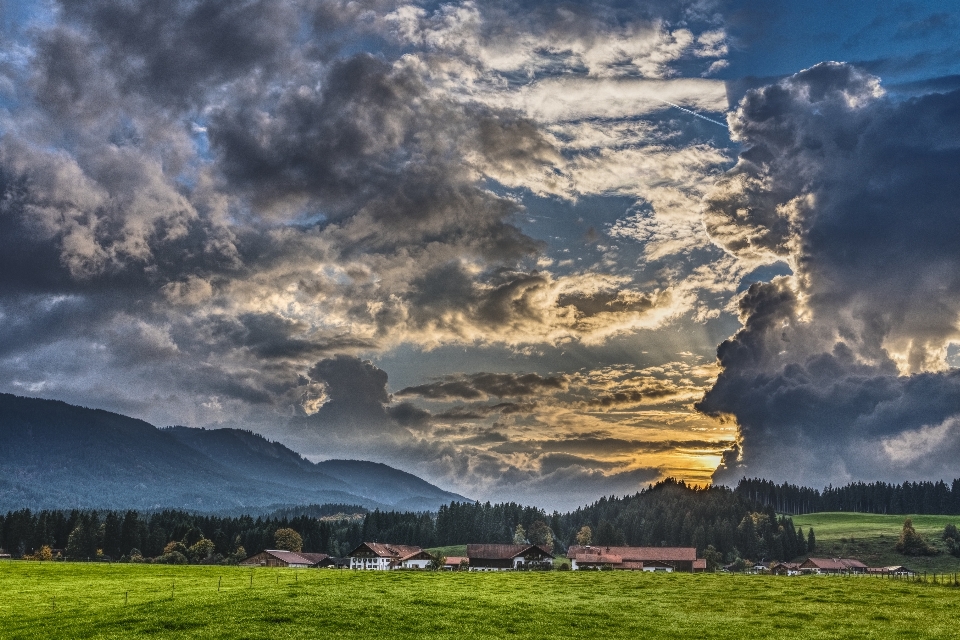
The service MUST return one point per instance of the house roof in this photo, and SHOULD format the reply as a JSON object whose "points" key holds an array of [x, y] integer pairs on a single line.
{"points": [[314, 558], [290, 557], [504, 551], [700, 563], [455, 560], [395, 551], [637, 554], [834, 564]]}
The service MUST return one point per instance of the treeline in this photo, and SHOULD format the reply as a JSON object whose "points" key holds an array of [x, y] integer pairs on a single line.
{"points": [[929, 498], [118, 535], [673, 514], [667, 514], [713, 519]]}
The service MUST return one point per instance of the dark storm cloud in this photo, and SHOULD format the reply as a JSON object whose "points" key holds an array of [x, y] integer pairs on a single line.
{"points": [[482, 385], [353, 381], [174, 51], [840, 368], [329, 142], [410, 415]]}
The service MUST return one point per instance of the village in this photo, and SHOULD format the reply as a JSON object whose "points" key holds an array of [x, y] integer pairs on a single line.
{"points": [[378, 556]]}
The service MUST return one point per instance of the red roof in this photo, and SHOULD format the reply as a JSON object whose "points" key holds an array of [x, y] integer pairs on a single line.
{"points": [[395, 551], [833, 564], [636, 554]]}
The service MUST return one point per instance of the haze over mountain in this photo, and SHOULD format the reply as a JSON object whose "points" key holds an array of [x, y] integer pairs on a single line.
{"points": [[56, 455]]}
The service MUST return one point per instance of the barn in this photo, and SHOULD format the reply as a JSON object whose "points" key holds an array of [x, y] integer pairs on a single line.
{"points": [[833, 565], [665, 559], [291, 559], [502, 557]]}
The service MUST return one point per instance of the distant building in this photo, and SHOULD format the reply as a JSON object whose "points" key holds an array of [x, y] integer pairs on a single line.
{"points": [[501, 557], [381, 557], [833, 565], [456, 563], [666, 559], [290, 559], [785, 568], [895, 570]]}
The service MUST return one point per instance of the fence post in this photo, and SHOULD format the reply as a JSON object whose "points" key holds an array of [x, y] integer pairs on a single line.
{"points": [[219, 580]]}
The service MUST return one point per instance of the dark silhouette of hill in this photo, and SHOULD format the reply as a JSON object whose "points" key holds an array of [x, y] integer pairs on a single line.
{"points": [[58, 456]]}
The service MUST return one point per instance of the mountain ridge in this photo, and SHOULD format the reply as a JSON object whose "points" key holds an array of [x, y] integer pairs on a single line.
{"points": [[56, 455]]}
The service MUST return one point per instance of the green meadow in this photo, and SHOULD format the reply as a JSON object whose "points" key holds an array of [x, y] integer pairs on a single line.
{"points": [[871, 538], [64, 600]]}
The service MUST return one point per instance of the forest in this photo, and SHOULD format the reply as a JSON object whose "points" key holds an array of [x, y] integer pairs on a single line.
{"points": [[752, 522], [669, 513]]}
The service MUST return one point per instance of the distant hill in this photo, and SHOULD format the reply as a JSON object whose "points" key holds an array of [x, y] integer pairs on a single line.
{"points": [[872, 538], [57, 456]]}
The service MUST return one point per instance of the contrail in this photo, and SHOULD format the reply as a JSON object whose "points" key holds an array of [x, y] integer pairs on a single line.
{"points": [[694, 113]]}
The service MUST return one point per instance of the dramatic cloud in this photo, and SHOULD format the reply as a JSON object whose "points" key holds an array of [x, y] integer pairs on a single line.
{"points": [[841, 368], [248, 213]]}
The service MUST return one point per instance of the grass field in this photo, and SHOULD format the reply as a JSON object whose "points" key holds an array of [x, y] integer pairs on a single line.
{"points": [[871, 538], [62, 600]]}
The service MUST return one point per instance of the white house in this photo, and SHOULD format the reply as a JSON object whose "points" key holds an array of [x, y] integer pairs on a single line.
{"points": [[381, 557]]}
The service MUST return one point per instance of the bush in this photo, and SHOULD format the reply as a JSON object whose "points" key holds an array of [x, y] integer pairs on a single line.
{"points": [[174, 557], [912, 543]]}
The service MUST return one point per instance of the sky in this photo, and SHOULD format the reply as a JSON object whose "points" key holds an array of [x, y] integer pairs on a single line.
{"points": [[532, 250]]}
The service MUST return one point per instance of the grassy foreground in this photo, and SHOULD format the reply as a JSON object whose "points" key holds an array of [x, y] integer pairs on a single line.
{"points": [[88, 601], [871, 538]]}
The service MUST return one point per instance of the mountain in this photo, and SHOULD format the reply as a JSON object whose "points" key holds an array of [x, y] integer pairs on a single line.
{"points": [[56, 455]]}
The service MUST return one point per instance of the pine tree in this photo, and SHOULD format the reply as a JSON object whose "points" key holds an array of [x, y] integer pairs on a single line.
{"points": [[811, 541]]}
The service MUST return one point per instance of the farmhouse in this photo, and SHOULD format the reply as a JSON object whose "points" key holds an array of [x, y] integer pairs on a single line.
{"points": [[833, 565], [379, 556], [294, 560], [666, 559], [500, 557]]}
